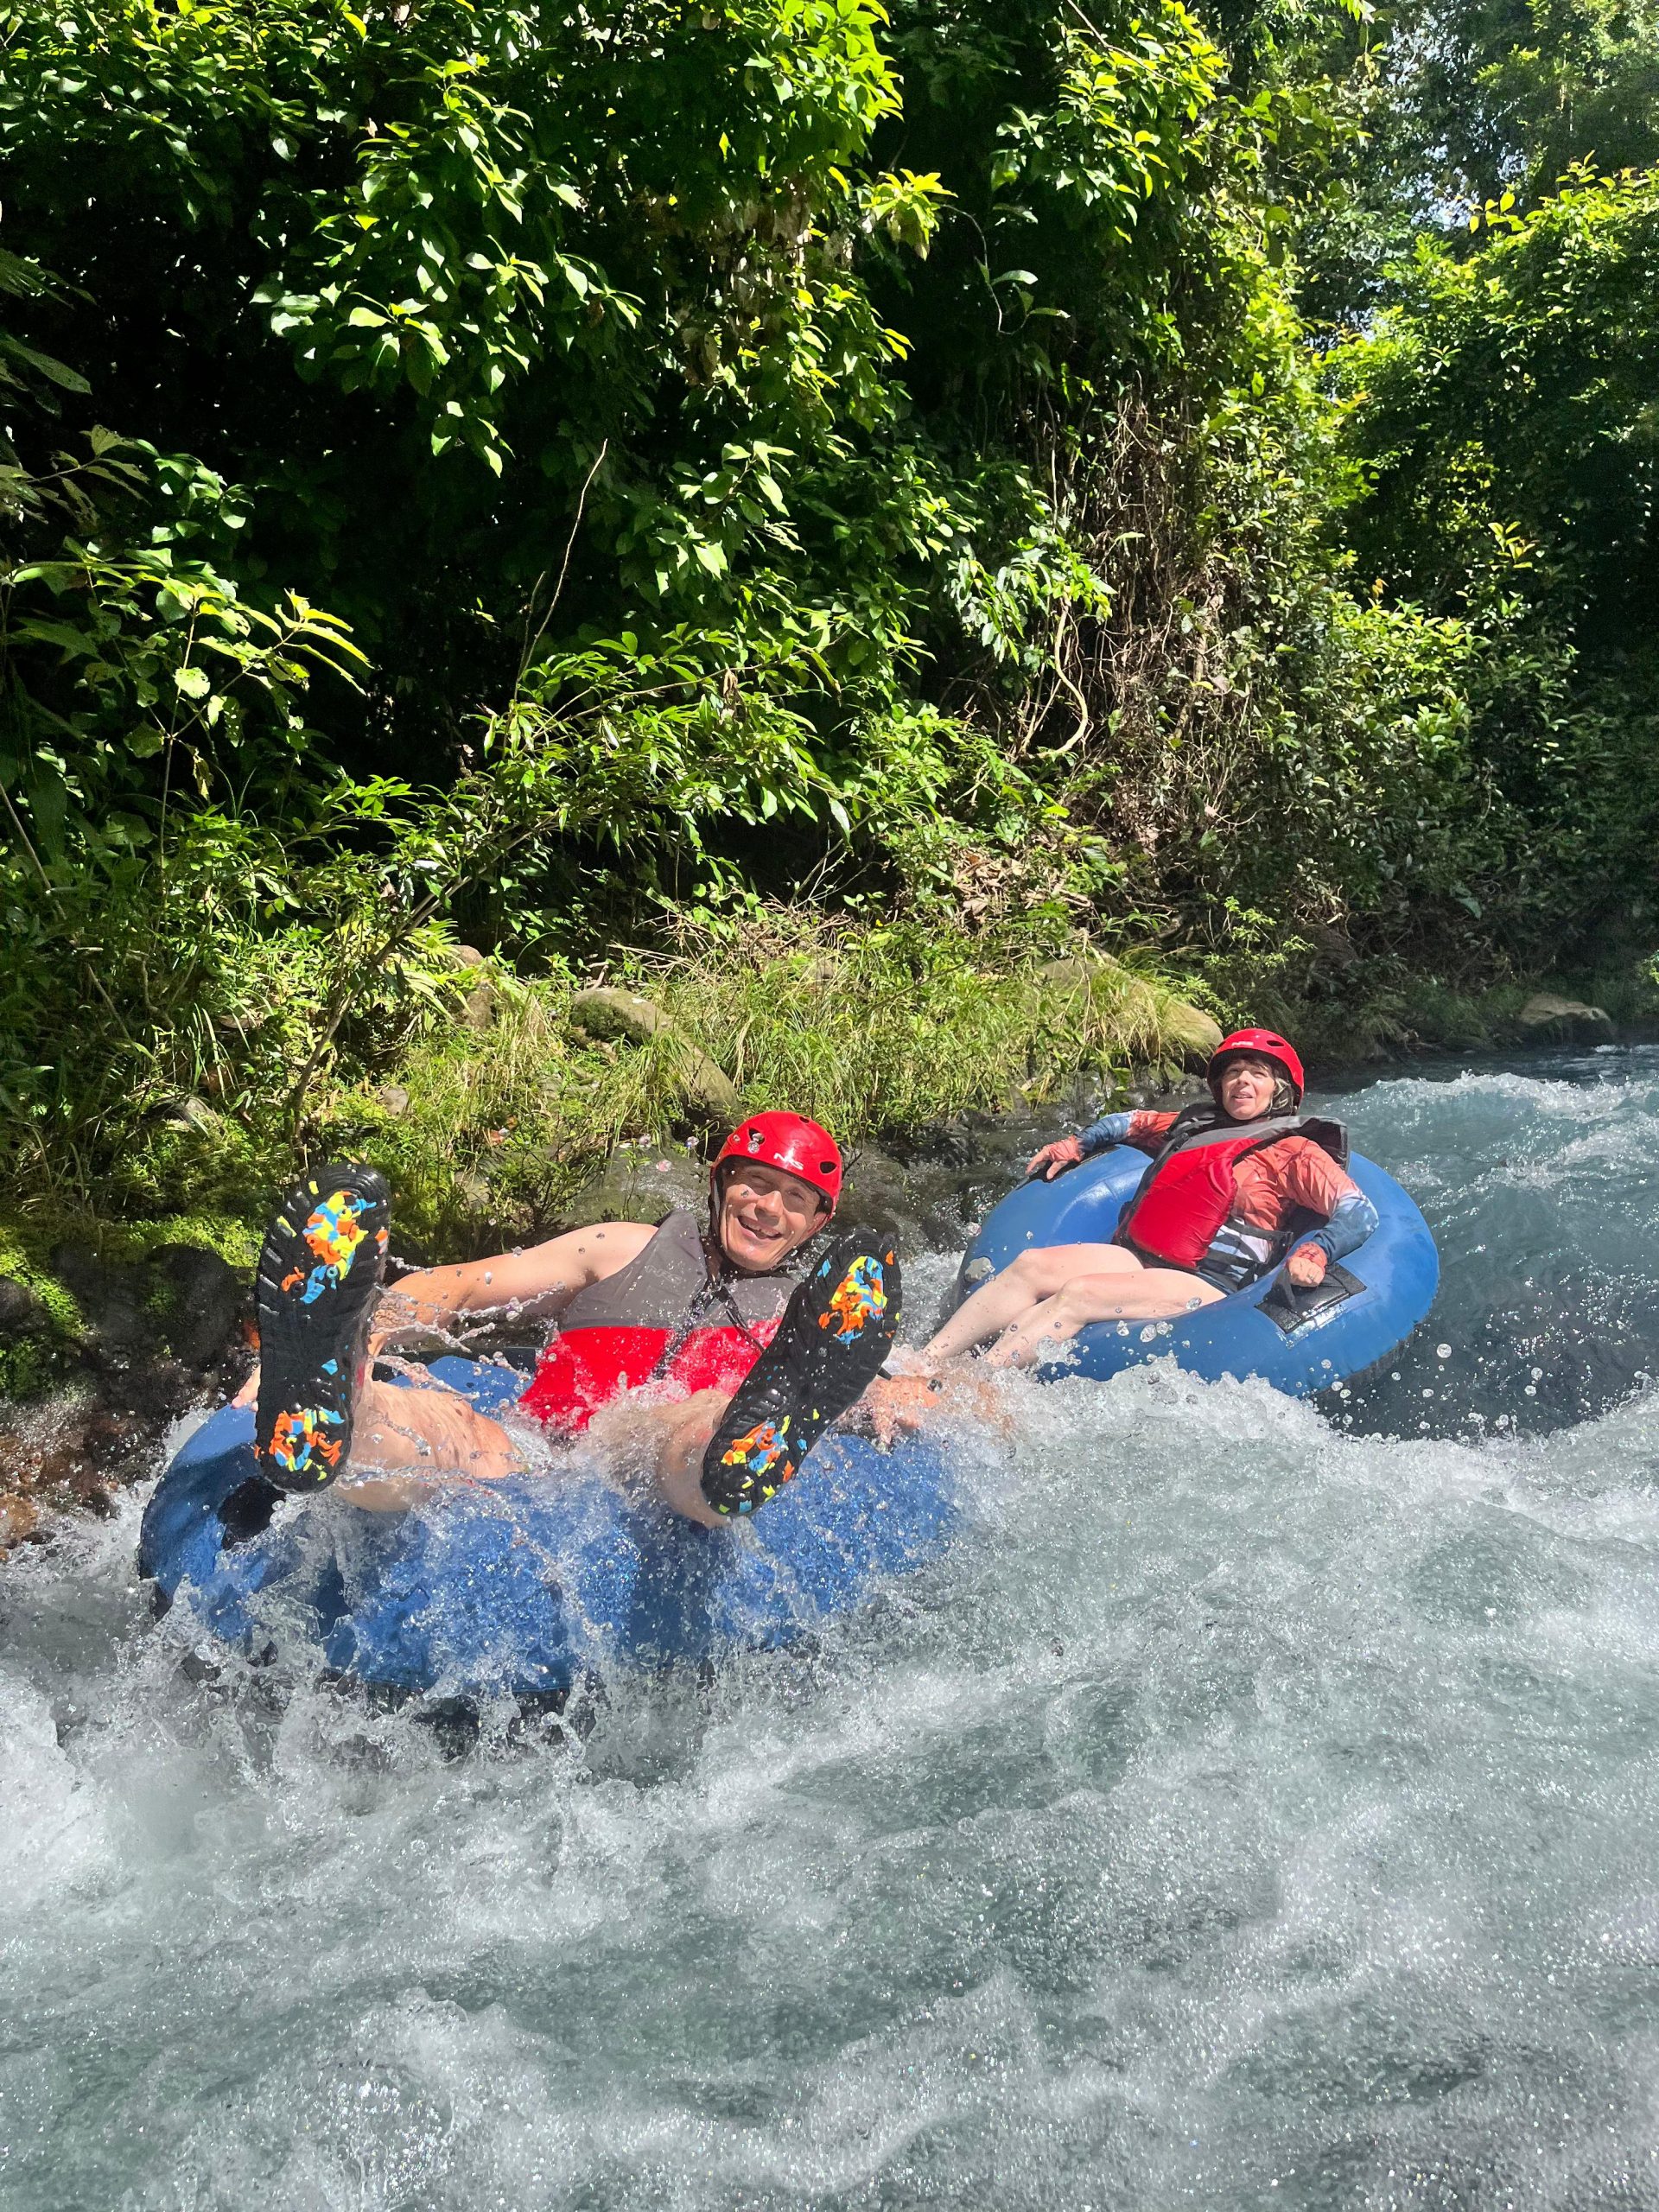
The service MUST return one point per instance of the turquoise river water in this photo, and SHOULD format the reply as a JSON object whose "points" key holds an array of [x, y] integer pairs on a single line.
{"points": [[1259, 1808]]}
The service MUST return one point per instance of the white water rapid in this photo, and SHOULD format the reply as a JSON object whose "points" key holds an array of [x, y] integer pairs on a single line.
{"points": [[1260, 1809]]}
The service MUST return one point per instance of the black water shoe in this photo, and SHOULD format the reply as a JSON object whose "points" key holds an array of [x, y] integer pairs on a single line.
{"points": [[836, 1331], [318, 1284]]}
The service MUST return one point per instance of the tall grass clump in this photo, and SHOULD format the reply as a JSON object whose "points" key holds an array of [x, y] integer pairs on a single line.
{"points": [[898, 1026], [493, 1133]]}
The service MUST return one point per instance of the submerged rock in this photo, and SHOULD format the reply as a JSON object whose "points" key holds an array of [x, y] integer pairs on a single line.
{"points": [[876, 1196], [110, 1295], [918, 1202], [639, 1183]]}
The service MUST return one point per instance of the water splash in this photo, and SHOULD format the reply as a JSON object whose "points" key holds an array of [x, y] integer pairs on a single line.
{"points": [[1255, 1813], [1540, 1186]]}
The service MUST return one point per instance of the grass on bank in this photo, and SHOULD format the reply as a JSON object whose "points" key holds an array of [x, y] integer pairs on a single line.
{"points": [[488, 1120], [488, 1132], [864, 1031]]}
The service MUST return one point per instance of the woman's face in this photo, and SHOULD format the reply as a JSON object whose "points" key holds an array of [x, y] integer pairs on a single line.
{"points": [[1245, 1087]]}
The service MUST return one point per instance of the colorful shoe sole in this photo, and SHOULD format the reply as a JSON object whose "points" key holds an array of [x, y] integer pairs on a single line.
{"points": [[319, 1281], [834, 1334]]}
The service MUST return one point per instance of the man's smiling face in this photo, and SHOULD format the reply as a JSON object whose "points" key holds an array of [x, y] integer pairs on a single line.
{"points": [[764, 1213]]}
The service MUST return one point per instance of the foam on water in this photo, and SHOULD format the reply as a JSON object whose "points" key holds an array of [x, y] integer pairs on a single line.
{"points": [[1252, 1812]]}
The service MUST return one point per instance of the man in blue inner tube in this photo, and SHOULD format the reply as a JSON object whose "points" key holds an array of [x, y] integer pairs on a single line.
{"points": [[1236, 1182], [729, 1359]]}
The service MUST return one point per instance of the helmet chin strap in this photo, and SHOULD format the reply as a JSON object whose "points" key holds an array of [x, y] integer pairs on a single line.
{"points": [[719, 1262]]}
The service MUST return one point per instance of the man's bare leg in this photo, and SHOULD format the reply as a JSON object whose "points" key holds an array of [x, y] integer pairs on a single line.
{"points": [[1155, 1294], [404, 1440], [664, 1444], [1024, 1285]]}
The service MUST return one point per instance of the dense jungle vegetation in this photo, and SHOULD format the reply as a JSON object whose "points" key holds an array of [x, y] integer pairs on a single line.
{"points": [[794, 497]]}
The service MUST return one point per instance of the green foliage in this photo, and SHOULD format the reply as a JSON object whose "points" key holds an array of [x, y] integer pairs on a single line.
{"points": [[21, 1261], [649, 267], [666, 297], [1512, 93], [867, 1028], [784, 455], [1508, 428], [1446, 106], [129, 659], [1503, 415]]}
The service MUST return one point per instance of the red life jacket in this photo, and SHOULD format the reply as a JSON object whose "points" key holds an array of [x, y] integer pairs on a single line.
{"points": [[664, 1318], [1181, 1212]]}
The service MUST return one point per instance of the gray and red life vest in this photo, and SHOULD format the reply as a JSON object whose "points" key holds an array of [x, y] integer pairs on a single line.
{"points": [[1181, 1213], [667, 1316]]}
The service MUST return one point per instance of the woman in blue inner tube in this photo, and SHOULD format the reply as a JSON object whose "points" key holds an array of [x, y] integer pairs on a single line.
{"points": [[1235, 1181]]}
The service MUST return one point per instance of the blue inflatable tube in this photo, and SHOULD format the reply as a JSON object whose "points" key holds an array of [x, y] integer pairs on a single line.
{"points": [[1302, 1341], [529, 1586]]}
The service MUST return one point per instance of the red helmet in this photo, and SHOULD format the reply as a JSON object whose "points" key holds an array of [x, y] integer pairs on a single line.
{"points": [[1261, 1045], [789, 1141]]}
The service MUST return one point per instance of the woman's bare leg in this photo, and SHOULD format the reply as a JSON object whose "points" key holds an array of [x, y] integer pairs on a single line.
{"points": [[1023, 1285], [1155, 1294]]}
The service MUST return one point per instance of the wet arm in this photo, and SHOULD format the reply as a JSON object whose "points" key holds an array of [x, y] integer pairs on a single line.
{"points": [[1110, 1128], [1315, 1181], [1136, 1128], [542, 1280], [1352, 1221]]}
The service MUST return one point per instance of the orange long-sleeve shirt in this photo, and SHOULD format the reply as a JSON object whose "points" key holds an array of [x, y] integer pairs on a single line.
{"points": [[1272, 1183]]}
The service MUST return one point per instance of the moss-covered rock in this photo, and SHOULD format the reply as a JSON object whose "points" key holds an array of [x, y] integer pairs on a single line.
{"points": [[606, 1014], [136, 1295]]}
